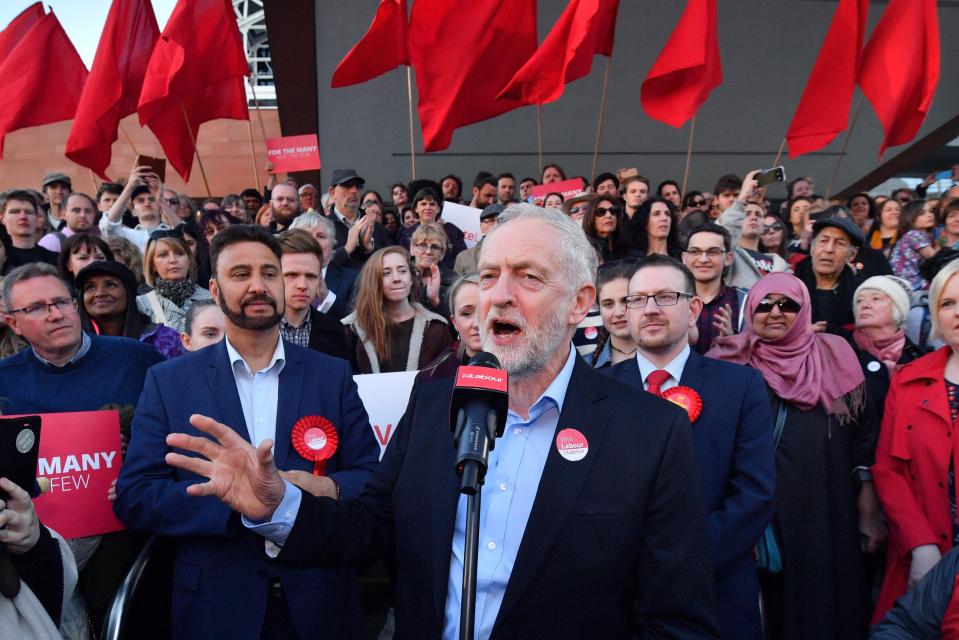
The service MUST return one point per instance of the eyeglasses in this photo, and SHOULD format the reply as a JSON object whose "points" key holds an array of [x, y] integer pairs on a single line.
{"points": [[602, 212], [664, 299], [712, 252], [786, 305], [574, 210], [44, 308], [432, 248], [698, 202], [173, 201], [769, 228]]}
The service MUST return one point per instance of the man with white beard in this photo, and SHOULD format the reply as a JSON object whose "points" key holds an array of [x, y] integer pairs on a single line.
{"points": [[592, 517]]}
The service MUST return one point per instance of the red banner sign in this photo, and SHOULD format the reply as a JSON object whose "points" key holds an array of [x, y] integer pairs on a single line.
{"points": [[293, 153], [80, 454], [567, 188]]}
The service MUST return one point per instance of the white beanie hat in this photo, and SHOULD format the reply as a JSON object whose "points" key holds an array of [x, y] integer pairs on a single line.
{"points": [[897, 289]]}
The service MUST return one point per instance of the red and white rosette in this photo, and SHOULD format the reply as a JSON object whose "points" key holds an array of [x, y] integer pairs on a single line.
{"points": [[688, 399], [315, 439]]}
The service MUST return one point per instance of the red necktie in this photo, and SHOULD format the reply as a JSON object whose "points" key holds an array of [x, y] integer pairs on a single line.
{"points": [[655, 381]]}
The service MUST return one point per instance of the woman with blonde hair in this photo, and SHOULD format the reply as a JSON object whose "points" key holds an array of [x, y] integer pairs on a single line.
{"points": [[389, 330], [169, 267]]}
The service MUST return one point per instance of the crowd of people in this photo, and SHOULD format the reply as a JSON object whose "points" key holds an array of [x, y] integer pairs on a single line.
{"points": [[813, 342]]}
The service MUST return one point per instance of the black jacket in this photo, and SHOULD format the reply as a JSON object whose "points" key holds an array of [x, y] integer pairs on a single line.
{"points": [[919, 614], [326, 335]]}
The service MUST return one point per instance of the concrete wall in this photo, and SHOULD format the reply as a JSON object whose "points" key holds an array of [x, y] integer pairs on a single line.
{"points": [[768, 49]]}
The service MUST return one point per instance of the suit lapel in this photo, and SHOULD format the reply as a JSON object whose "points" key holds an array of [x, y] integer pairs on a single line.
{"points": [[444, 487], [288, 403], [694, 373], [561, 482], [222, 383], [628, 372]]}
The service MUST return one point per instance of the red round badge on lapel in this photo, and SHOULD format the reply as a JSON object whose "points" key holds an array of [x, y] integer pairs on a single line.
{"points": [[688, 399], [572, 445], [315, 439]]}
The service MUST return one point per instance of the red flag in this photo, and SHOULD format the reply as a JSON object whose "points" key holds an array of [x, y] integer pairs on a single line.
{"points": [[381, 49], [687, 69], [464, 53], [585, 29], [197, 67], [823, 110], [18, 28], [900, 68], [44, 58], [113, 87]]}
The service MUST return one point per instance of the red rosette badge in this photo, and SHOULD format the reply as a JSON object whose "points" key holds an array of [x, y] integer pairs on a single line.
{"points": [[315, 439], [686, 398]]}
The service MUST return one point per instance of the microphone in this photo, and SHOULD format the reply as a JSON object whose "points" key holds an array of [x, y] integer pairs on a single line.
{"points": [[477, 417]]}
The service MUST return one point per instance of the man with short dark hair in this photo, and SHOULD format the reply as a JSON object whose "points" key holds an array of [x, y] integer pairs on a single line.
{"points": [[726, 191], [357, 237], [79, 212], [56, 187], [729, 408], [252, 200], [826, 273], [452, 187], [505, 189], [143, 189], [21, 215], [302, 324], [526, 189], [107, 194], [225, 584], [707, 256], [635, 193], [484, 190]]}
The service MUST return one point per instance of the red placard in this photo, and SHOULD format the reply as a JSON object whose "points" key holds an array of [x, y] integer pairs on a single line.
{"points": [[80, 454], [567, 188], [293, 153], [482, 378]]}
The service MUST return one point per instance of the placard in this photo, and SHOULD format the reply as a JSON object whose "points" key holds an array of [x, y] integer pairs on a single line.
{"points": [[567, 188], [80, 455], [466, 218], [385, 396], [293, 153]]}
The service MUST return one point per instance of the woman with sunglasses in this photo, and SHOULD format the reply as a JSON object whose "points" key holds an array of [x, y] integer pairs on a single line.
{"points": [[772, 239], [823, 434], [169, 267], [604, 225], [694, 201]]}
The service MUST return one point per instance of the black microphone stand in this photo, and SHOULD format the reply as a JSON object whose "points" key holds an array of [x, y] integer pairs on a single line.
{"points": [[473, 446]]}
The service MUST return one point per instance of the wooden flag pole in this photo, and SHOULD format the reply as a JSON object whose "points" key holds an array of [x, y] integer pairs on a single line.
{"points": [[779, 155], [409, 101], [256, 107], [256, 173], [127, 138], [845, 145], [196, 152], [93, 177], [539, 137], [689, 154], [599, 126]]}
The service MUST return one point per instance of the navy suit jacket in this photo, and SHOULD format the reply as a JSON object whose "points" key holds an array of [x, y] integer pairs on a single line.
{"points": [[734, 447], [615, 545], [221, 572], [340, 280]]}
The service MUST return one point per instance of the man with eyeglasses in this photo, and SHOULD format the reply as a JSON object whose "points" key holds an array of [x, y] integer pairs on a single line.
{"points": [[357, 236], [21, 215], [732, 429], [831, 281], [707, 255], [743, 217], [143, 189]]}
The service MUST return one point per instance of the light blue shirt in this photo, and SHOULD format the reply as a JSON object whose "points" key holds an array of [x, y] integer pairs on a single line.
{"points": [[674, 368], [515, 469], [85, 344], [259, 392]]}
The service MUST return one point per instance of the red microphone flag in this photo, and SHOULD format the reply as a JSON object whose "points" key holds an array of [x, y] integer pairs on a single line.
{"points": [[900, 68], [823, 110], [44, 58], [113, 88], [464, 54], [585, 29], [687, 69], [18, 27], [381, 49], [197, 67]]}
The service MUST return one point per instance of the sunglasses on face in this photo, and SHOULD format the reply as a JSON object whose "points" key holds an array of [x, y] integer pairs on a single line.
{"points": [[607, 211], [769, 228], [786, 305], [698, 203]]}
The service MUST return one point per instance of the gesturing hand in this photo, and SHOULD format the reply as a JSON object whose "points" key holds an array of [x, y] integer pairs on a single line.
{"points": [[244, 478], [433, 285]]}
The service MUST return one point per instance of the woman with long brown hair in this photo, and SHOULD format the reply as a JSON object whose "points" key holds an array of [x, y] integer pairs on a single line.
{"points": [[389, 330]]}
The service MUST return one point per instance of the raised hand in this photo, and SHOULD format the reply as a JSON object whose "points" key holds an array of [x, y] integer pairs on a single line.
{"points": [[244, 478]]}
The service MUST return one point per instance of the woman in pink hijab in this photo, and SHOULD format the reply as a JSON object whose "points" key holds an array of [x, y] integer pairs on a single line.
{"points": [[824, 438]]}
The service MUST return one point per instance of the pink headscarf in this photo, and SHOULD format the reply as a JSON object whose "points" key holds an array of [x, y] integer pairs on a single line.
{"points": [[803, 367]]}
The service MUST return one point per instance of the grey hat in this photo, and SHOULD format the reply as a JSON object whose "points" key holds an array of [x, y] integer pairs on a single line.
{"points": [[342, 176], [491, 211], [56, 176], [856, 236]]}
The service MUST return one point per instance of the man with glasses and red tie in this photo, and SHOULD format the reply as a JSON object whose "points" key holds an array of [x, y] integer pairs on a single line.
{"points": [[732, 429]]}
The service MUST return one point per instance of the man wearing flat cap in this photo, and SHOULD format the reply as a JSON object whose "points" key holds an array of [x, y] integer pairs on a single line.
{"points": [[828, 275], [357, 236], [56, 187]]}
